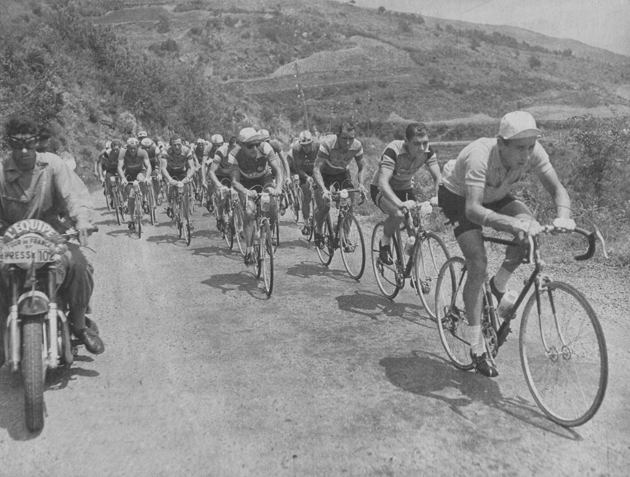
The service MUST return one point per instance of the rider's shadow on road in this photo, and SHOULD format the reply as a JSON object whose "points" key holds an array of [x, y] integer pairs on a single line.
{"points": [[107, 222], [169, 238], [297, 243], [216, 250], [242, 281], [428, 375], [306, 269], [374, 305]]}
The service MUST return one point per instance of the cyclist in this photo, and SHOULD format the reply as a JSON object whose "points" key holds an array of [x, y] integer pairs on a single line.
{"points": [[277, 148], [333, 165], [154, 158], [477, 193], [301, 159], [218, 172], [254, 163], [40, 186], [107, 163], [392, 187], [133, 164], [177, 164]]}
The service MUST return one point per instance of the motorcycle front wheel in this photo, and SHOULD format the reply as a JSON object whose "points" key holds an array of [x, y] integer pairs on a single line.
{"points": [[32, 368]]}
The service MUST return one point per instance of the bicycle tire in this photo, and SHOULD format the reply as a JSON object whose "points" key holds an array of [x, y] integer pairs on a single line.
{"points": [[297, 204], [451, 317], [568, 382], [139, 225], [32, 368], [107, 198], [256, 252], [186, 231], [228, 228], [275, 236], [311, 220], [430, 253], [237, 218], [118, 211], [151, 203], [327, 250], [387, 276], [352, 246], [266, 258]]}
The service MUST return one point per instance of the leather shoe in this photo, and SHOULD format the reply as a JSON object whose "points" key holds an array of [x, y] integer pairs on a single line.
{"points": [[93, 343], [483, 365]]}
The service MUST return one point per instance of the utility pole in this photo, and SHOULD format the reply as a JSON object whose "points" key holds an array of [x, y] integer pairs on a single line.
{"points": [[298, 85]]}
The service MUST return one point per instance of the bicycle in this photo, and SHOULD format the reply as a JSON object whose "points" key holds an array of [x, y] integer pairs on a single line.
{"points": [[108, 197], [561, 342], [181, 214], [137, 212], [263, 241], [310, 220], [346, 234], [117, 199], [426, 257], [151, 202]]}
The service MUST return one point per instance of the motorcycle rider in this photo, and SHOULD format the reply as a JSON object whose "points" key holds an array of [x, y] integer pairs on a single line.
{"points": [[41, 186]]}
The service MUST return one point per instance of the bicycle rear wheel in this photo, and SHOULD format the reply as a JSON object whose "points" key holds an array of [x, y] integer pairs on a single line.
{"points": [[451, 314], [228, 228], [327, 249], [387, 276], [563, 354], [430, 254], [352, 246], [266, 260]]}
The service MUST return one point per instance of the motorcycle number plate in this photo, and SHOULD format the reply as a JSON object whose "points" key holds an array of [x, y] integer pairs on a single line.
{"points": [[27, 249]]}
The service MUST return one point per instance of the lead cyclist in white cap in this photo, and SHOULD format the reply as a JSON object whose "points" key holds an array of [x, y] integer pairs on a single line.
{"points": [[477, 193]]}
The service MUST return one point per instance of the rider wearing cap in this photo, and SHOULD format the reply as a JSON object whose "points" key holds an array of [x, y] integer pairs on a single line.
{"points": [[477, 193], [154, 158], [254, 163], [219, 173], [392, 187], [177, 164], [36, 185], [301, 159], [133, 164], [332, 165], [277, 148]]}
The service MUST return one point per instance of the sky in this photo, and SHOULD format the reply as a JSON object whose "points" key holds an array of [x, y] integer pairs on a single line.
{"points": [[602, 23]]}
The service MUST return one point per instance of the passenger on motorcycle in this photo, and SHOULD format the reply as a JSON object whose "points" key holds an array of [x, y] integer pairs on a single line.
{"points": [[41, 186], [301, 159], [177, 164], [134, 164], [254, 163]]}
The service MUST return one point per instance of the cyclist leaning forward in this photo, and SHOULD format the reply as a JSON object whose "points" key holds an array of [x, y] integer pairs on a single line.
{"points": [[254, 163], [476, 193], [220, 178], [392, 185], [333, 165], [107, 165], [177, 164], [301, 159], [152, 150], [133, 164]]}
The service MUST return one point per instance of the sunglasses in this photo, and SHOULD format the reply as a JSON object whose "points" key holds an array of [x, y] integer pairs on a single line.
{"points": [[251, 145], [23, 143]]}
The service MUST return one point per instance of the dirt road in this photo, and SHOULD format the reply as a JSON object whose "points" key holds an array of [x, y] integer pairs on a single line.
{"points": [[204, 376]]}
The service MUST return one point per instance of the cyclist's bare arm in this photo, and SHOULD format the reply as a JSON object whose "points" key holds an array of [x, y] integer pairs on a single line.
{"points": [[235, 175], [121, 172], [213, 176], [191, 168], [278, 173], [98, 170], [434, 170], [552, 184], [360, 170], [147, 166], [164, 165], [317, 172]]}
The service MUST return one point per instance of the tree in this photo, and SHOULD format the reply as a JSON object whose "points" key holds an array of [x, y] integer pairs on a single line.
{"points": [[381, 10]]}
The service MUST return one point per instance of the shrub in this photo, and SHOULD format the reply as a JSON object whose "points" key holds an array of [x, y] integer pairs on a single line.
{"points": [[534, 62]]}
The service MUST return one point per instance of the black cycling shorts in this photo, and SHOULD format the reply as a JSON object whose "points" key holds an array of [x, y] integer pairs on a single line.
{"points": [[343, 180], [177, 174], [404, 195], [454, 207]]}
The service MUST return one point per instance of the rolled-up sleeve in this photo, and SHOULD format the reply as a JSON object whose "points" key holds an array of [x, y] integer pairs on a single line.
{"points": [[72, 192]]}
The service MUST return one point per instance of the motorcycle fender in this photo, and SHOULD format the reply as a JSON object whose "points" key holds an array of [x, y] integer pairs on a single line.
{"points": [[33, 303]]}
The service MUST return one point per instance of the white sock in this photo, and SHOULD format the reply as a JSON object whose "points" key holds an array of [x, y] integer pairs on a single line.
{"points": [[477, 343], [385, 240], [501, 279]]}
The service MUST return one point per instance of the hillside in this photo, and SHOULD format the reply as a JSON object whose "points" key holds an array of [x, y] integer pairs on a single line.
{"points": [[366, 65]]}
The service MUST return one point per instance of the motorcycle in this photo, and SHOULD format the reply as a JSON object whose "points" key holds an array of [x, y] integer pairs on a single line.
{"points": [[37, 336]]}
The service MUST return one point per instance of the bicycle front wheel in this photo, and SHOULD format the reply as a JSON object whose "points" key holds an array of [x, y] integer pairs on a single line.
{"points": [[237, 220], [266, 258], [228, 228], [352, 246], [563, 354], [450, 312], [151, 202], [387, 276], [327, 249], [429, 255], [311, 220]]}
